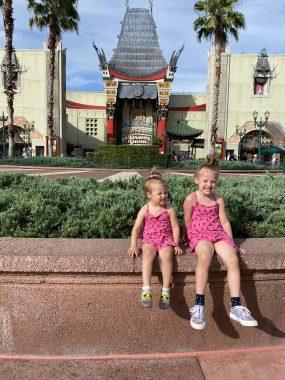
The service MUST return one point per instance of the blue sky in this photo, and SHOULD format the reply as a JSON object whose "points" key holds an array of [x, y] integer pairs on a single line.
{"points": [[100, 21]]}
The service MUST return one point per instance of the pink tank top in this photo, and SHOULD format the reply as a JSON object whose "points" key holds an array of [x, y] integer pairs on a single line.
{"points": [[205, 219], [157, 227]]}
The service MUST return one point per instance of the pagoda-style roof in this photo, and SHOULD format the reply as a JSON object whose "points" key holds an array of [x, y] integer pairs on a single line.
{"points": [[182, 130], [138, 53]]}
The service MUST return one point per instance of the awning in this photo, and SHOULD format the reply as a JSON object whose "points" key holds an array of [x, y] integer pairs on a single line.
{"points": [[272, 149], [137, 91], [182, 130]]}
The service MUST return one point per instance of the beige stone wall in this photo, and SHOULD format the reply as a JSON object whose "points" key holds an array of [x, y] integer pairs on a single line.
{"points": [[30, 102], [77, 120], [238, 101], [196, 119]]}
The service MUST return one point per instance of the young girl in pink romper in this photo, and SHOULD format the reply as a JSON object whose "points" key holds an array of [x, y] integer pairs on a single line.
{"points": [[209, 231], [157, 223]]}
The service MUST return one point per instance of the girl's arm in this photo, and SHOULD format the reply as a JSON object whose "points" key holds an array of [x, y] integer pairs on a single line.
{"points": [[133, 250], [175, 230], [223, 217], [187, 210]]}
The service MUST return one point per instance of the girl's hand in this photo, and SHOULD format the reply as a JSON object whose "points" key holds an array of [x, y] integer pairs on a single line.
{"points": [[241, 251], [133, 252], [178, 251]]}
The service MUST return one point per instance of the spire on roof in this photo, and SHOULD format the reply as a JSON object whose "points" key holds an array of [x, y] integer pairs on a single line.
{"points": [[138, 52], [151, 5]]}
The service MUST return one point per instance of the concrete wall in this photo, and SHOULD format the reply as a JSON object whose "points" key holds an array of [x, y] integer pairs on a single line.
{"points": [[81, 297], [196, 119], [76, 120]]}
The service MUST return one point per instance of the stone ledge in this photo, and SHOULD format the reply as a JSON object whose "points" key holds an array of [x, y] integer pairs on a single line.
{"points": [[31, 255]]}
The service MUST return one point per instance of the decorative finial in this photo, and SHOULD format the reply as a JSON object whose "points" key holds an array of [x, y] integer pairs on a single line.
{"points": [[151, 5], [127, 4]]}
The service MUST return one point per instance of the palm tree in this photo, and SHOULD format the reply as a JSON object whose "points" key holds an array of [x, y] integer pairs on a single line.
{"points": [[8, 68], [216, 22], [57, 16]]}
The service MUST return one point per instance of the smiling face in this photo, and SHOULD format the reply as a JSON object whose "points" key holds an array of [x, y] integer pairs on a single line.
{"points": [[157, 193], [206, 179]]}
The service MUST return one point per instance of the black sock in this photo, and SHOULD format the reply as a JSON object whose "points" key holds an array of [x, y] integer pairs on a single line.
{"points": [[235, 301], [200, 299]]}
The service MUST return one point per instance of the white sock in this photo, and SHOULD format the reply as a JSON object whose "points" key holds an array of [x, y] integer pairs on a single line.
{"points": [[165, 291], [146, 288]]}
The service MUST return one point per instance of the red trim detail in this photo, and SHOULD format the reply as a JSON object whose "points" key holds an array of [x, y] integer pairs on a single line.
{"points": [[78, 106], [161, 127], [156, 76], [200, 107], [111, 128]]}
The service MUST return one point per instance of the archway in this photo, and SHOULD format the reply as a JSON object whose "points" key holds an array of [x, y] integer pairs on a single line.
{"points": [[22, 141], [249, 143]]}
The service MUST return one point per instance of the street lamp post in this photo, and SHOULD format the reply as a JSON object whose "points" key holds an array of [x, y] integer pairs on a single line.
{"points": [[260, 124], [3, 118], [240, 131]]}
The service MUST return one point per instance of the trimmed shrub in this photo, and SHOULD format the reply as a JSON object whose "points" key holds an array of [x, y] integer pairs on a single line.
{"points": [[129, 156], [71, 207]]}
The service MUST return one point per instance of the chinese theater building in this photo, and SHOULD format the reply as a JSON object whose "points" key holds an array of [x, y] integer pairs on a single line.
{"points": [[137, 82]]}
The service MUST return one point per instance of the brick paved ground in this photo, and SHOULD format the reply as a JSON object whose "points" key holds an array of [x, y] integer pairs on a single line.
{"points": [[246, 364]]}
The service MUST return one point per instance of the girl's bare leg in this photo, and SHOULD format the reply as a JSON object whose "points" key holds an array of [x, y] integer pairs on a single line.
{"points": [[166, 257], [205, 252], [230, 258], [149, 253]]}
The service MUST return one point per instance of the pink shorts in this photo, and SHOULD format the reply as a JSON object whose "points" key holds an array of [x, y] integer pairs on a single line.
{"points": [[213, 238], [159, 244]]}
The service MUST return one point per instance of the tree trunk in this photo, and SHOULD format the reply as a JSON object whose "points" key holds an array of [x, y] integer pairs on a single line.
{"points": [[215, 111], [50, 121], [9, 70]]}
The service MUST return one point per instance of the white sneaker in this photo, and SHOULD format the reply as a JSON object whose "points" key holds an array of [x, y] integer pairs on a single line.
{"points": [[197, 320], [242, 315]]}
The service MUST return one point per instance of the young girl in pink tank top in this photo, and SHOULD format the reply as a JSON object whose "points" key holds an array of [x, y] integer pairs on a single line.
{"points": [[209, 231], [157, 223]]}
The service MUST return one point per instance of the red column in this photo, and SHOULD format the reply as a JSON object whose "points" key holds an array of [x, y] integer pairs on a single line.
{"points": [[57, 148], [161, 128], [111, 128]]}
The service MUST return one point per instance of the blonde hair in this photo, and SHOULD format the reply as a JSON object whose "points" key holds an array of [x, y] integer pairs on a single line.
{"points": [[212, 163], [154, 177]]}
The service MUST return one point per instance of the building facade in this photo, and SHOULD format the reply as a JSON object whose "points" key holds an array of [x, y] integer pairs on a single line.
{"points": [[137, 105], [249, 83], [30, 100]]}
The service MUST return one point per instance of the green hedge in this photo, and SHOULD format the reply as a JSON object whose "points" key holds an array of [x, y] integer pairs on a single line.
{"points": [[129, 156], [144, 159], [36, 207]]}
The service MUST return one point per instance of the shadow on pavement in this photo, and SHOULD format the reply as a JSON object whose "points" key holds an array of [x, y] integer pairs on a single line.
{"points": [[220, 313], [248, 289]]}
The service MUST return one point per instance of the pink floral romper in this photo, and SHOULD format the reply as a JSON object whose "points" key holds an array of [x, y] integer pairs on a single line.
{"points": [[205, 225], [157, 230]]}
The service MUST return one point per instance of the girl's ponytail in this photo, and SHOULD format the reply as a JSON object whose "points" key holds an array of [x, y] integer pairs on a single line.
{"points": [[212, 163], [154, 176]]}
